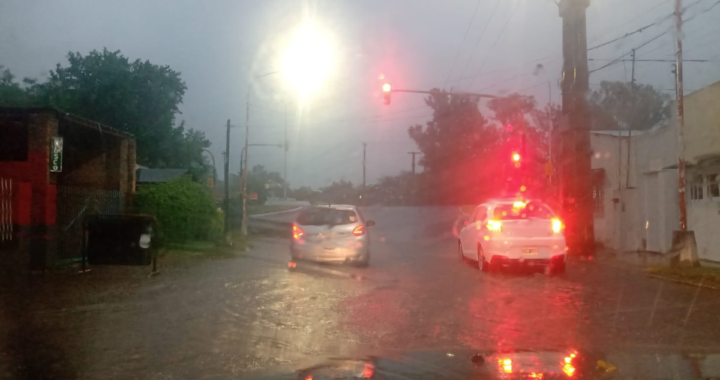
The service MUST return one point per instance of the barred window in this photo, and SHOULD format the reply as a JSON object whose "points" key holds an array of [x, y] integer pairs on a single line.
{"points": [[696, 188], [713, 190]]}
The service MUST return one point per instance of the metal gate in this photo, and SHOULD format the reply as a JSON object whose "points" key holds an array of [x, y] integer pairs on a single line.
{"points": [[73, 204]]}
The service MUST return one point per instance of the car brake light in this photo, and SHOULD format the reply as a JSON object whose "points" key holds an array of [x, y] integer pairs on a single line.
{"points": [[359, 231], [297, 232], [494, 225], [557, 225]]}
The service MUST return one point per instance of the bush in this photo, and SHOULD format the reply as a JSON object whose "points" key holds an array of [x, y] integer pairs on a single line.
{"points": [[184, 210]]}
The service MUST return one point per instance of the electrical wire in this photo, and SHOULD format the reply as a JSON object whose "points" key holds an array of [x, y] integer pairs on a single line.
{"points": [[626, 54], [482, 33], [467, 30], [512, 13]]}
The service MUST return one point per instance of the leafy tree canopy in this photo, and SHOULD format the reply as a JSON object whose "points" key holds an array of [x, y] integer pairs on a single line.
{"points": [[620, 105], [133, 96]]}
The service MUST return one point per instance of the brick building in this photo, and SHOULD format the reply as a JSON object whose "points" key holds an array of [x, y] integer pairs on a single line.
{"points": [[55, 168]]}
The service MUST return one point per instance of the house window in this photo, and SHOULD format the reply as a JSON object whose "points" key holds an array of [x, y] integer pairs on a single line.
{"points": [[696, 188], [598, 198], [713, 190]]}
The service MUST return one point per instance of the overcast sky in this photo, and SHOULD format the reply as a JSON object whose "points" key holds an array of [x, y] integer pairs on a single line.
{"points": [[220, 46]]}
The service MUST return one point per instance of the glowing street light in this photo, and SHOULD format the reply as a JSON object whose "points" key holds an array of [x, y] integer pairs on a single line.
{"points": [[309, 59]]}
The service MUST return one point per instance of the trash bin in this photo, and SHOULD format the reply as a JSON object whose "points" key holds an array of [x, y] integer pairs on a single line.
{"points": [[119, 239]]}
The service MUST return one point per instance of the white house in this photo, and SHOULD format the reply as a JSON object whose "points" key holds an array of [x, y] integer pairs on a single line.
{"points": [[637, 200]]}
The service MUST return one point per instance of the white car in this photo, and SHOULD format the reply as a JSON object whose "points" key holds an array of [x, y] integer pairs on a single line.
{"points": [[507, 232]]}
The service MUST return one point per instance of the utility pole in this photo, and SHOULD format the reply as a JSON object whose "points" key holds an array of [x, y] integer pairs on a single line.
{"points": [[413, 160], [286, 152], [244, 227], [681, 116], [577, 180], [630, 127], [364, 165], [227, 184], [683, 240]]}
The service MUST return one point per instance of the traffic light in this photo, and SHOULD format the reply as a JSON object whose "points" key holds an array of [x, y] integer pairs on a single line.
{"points": [[386, 88]]}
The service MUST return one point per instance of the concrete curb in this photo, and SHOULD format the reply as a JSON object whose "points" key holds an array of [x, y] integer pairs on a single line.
{"points": [[659, 277], [276, 212]]}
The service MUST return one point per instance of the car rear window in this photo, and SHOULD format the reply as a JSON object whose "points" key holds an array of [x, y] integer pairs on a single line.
{"points": [[326, 216], [530, 210]]}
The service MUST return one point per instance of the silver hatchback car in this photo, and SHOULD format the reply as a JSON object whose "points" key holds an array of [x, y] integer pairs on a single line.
{"points": [[334, 233]]}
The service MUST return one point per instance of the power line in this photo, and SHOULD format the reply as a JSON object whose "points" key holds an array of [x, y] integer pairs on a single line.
{"points": [[654, 60], [477, 5], [626, 54], [482, 33], [512, 13], [621, 37]]}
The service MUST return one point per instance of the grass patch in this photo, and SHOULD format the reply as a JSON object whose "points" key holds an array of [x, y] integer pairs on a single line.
{"points": [[206, 248], [692, 275], [263, 209]]}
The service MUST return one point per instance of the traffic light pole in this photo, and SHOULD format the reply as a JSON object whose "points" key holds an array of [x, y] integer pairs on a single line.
{"points": [[576, 171], [454, 93]]}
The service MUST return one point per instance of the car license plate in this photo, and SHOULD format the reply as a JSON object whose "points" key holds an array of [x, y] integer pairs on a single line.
{"points": [[529, 251]]}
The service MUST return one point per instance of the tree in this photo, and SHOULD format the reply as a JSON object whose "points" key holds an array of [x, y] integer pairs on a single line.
{"points": [[342, 192], [620, 105], [12, 93], [303, 193], [458, 149], [136, 97], [264, 183]]}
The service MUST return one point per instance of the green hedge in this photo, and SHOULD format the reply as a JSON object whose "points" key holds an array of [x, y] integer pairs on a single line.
{"points": [[184, 210]]}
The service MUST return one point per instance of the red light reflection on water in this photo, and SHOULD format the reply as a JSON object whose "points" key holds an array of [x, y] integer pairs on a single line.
{"points": [[368, 371], [511, 314]]}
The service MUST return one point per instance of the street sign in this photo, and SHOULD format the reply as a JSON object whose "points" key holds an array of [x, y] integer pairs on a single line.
{"points": [[253, 196], [56, 154], [211, 182]]}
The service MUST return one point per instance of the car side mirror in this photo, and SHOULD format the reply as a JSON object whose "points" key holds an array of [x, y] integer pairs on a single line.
{"points": [[370, 223]]}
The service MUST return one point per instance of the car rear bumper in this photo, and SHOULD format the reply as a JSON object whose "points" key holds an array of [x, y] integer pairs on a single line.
{"points": [[506, 262], [322, 254]]}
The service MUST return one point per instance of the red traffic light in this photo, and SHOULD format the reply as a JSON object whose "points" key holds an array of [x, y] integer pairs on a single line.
{"points": [[386, 92]]}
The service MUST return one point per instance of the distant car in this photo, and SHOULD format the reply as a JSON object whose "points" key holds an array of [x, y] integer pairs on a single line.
{"points": [[336, 233], [507, 232]]}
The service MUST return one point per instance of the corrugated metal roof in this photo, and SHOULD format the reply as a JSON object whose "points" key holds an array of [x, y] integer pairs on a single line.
{"points": [[159, 175]]}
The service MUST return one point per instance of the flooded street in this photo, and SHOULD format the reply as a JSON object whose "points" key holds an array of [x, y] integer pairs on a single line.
{"points": [[234, 317]]}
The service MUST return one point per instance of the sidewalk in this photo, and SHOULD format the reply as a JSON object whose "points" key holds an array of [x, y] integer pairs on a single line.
{"points": [[639, 259]]}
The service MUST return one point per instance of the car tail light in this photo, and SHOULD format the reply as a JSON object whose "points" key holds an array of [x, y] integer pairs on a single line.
{"points": [[359, 231], [297, 232], [557, 225], [494, 225]]}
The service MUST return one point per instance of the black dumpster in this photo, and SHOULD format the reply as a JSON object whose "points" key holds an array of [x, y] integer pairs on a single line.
{"points": [[120, 239]]}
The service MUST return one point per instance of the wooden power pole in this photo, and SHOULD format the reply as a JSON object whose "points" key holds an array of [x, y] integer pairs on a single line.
{"points": [[575, 169], [413, 160], [227, 184]]}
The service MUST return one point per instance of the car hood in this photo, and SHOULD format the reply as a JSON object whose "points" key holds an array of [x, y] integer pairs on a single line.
{"points": [[519, 364]]}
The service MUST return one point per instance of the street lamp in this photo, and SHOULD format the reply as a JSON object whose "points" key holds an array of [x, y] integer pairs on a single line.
{"points": [[214, 169]]}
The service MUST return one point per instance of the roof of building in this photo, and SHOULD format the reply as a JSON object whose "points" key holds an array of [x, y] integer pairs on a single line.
{"points": [[159, 175], [60, 114]]}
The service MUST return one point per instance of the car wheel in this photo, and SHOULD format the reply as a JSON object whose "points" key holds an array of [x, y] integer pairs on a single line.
{"points": [[460, 251], [483, 265], [364, 262]]}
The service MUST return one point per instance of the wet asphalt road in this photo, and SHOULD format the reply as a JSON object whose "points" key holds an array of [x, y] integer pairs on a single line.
{"points": [[229, 317]]}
